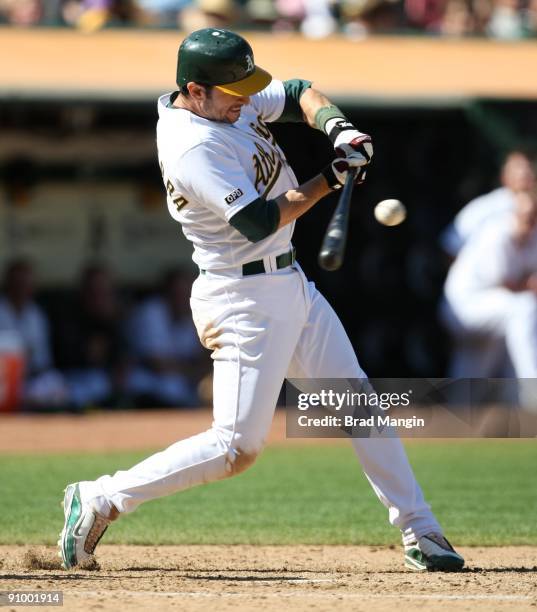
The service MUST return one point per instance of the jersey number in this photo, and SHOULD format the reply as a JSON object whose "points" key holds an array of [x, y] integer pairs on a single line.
{"points": [[178, 200]]}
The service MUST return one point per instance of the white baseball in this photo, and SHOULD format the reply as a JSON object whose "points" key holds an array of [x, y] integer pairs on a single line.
{"points": [[390, 212]]}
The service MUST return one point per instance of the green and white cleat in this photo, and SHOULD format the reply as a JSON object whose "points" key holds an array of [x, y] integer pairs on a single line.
{"points": [[432, 553], [82, 530]]}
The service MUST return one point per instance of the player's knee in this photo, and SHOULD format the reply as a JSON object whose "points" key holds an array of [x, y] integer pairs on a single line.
{"points": [[242, 461], [241, 448], [239, 460]]}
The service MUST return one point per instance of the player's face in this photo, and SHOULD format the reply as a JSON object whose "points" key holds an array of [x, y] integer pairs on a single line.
{"points": [[518, 173], [223, 107]]}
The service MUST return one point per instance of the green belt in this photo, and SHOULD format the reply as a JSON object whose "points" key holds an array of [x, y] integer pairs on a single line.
{"points": [[258, 266]]}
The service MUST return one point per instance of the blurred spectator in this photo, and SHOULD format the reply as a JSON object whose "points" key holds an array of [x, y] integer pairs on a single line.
{"points": [[92, 15], [457, 20], [530, 18], [319, 20], [503, 19], [425, 14], [52, 12], [21, 12], [266, 13], [209, 14], [482, 10], [517, 174], [506, 21], [44, 386], [88, 339], [491, 294], [365, 17], [169, 360], [163, 13]]}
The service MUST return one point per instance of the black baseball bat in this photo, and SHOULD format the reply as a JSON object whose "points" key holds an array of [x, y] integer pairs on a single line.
{"points": [[335, 238]]}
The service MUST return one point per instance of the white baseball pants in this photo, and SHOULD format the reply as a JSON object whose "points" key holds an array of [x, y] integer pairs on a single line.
{"points": [[498, 316], [262, 328]]}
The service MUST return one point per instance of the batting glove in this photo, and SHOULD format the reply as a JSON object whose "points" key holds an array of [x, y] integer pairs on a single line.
{"points": [[336, 172], [348, 141]]}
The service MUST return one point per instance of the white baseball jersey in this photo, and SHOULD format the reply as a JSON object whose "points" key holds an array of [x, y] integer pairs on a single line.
{"points": [[490, 260], [474, 217], [212, 170]]}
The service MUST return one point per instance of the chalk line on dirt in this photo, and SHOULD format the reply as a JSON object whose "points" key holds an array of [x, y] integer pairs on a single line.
{"points": [[317, 595]]}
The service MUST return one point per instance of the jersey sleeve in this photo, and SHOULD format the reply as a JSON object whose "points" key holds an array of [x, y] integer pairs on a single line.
{"points": [[471, 217], [468, 219], [212, 176], [493, 256], [270, 102]]}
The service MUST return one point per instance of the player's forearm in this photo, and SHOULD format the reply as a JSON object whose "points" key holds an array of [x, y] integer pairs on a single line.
{"points": [[312, 101], [296, 202], [348, 141], [516, 286], [526, 283]]}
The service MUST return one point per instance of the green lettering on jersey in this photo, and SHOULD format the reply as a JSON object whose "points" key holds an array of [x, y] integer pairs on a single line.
{"points": [[179, 200], [267, 161], [261, 129]]}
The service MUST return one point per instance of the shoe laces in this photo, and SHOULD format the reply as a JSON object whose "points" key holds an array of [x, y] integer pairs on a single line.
{"points": [[439, 539]]}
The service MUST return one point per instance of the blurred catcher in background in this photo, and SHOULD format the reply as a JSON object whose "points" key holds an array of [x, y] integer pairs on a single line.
{"points": [[479, 355], [517, 174], [491, 295]]}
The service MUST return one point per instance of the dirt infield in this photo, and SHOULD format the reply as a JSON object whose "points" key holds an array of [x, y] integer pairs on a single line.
{"points": [[116, 430], [126, 431], [241, 577], [274, 578]]}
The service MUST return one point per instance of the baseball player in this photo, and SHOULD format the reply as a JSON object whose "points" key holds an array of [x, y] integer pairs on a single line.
{"points": [[490, 291], [483, 355], [232, 190], [518, 174]]}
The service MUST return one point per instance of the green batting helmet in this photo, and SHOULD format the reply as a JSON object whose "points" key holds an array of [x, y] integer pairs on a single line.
{"points": [[220, 58]]}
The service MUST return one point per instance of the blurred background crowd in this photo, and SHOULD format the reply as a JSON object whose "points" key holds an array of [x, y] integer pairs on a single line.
{"points": [[98, 347], [497, 19]]}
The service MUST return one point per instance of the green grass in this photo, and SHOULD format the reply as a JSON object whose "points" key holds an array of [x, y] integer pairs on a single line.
{"points": [[484, 493]]}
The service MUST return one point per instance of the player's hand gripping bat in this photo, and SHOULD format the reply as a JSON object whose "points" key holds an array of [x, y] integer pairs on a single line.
{"points": [[335, 238]]}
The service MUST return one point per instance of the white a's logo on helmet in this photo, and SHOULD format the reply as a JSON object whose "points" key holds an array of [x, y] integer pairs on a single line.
{"points": [[249, 63]]}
